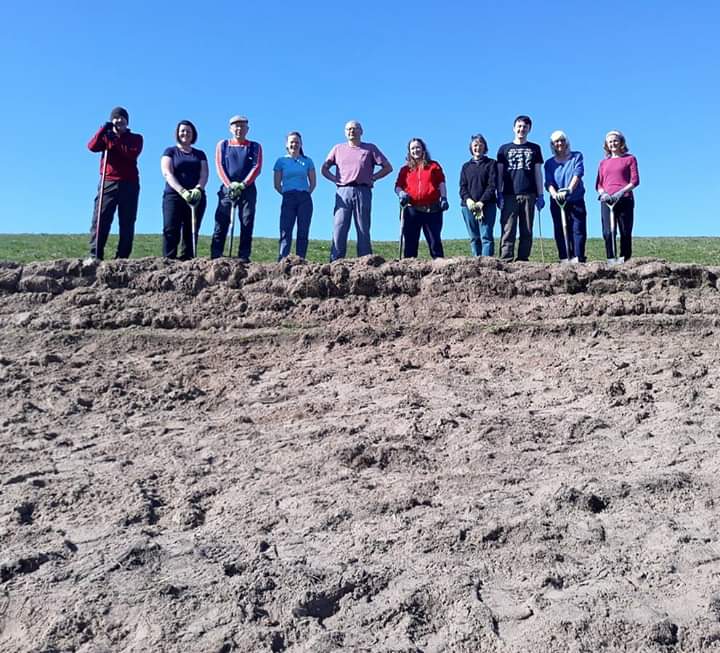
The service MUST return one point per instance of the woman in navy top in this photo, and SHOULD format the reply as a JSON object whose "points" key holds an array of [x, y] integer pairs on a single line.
{"points": [[295, 180], [563, 180], [186, 173]]}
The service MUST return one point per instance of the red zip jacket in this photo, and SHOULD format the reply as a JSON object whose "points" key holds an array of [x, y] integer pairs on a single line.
{"points": [[421, 184], [123, 152]]}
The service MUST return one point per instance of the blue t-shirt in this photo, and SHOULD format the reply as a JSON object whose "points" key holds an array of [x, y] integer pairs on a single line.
{"points": [[186, 166], [294, 172], [560, 173]]}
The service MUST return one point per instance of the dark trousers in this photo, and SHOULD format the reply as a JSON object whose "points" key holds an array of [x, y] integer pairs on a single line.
{"points": [[430, 224], [297, 205], [624, 217], [123, 196], [246, 208], [177, 224], [518, 211], [576, 219]]}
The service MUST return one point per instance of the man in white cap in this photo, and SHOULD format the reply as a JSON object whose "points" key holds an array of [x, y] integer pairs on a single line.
{"points": [[238, 162]]}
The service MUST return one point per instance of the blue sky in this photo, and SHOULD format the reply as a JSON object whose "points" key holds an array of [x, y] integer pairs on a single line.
{"points": [[438, 70]]}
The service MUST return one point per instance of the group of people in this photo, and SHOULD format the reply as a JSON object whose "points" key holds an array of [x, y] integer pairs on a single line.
{"points": [[514, 183]]}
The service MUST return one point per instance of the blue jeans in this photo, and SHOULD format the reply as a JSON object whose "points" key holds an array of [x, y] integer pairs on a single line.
{"points": [[296, 205], [351, 202], [430, 223], [576, 218], [177, 225], [481, 232]]}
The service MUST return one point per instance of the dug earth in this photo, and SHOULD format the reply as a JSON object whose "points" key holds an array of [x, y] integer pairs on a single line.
{"points": [[421, 456]]}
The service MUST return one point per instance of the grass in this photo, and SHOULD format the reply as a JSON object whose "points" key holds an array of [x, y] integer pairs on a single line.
{"points": [[24, 248]]}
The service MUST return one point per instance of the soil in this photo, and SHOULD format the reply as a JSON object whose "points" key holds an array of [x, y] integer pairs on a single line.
{"points": [[456, 455]]}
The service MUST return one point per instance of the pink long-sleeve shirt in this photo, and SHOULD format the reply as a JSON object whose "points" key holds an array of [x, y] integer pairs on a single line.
{"points": [[617, 172]]}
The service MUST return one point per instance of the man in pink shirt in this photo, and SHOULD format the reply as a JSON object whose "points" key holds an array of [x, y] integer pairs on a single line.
{"points": [[354, 177]]}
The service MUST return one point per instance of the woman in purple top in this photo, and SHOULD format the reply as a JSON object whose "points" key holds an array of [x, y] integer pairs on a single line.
{"points": [[563, 180], [186, 173], [617, 177]]}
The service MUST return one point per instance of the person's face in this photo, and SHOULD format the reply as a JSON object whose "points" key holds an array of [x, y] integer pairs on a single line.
{"points": [[185, 135], [521, 129], [294, 144], [614, 144], [119, 123], [239, 130], [353, 131], [417, 151], [477, 149], [560, 145]]}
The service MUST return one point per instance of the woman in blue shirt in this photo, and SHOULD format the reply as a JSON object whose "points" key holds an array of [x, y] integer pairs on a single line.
{"points": [[186, 173], [563, 180], [295, 180]]}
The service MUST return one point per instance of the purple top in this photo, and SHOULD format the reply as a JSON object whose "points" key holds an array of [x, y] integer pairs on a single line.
{"points": [[355, 164], [617, 172]]}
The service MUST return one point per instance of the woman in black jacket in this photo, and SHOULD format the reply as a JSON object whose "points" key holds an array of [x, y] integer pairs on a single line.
{"points": [[478, 184]]}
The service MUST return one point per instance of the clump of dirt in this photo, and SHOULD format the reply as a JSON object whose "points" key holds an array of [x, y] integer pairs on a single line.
{"points": [[417, 456]]}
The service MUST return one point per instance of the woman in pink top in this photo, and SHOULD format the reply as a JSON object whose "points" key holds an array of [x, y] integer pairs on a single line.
{"points": [[617, 177]]}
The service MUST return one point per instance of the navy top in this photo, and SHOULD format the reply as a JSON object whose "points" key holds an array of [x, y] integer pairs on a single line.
{"points": [[186, 166], [518, 161]]}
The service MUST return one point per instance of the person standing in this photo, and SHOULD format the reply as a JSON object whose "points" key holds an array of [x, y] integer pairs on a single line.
{"points": [[238, 162], [616, 179], [119, 186], [563, 180], [186, 173], [421, 188], [294, 178], [354, 176], [520, 190], [478, 188]]}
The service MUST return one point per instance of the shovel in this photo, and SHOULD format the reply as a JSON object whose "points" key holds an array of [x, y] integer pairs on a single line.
{"points": [[542, 249], [193, 223], [563, 219], [232, 225], [402, 230], [613, 229]]}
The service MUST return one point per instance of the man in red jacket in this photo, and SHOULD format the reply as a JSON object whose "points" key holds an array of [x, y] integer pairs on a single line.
{"points": [[119, 183]]}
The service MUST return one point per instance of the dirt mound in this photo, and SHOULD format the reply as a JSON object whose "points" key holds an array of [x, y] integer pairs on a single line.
{"points": [[456, 455]]}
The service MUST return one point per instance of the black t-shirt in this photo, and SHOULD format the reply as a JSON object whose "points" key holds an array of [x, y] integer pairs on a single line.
{"points": [[186, 166], [518, 163]]}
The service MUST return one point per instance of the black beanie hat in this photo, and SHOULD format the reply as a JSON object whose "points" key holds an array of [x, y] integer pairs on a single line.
{"points": [[119, 112]]}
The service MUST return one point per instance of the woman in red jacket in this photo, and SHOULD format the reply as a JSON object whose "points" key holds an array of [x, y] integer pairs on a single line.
{"points": [[422, 192]]}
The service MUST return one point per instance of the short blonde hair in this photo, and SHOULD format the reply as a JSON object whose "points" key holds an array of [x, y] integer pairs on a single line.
{"points": [[559, 133]]}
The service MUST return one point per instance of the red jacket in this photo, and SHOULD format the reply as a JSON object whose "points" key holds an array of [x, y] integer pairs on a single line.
{"points": [[421, 184], [123, 152]]}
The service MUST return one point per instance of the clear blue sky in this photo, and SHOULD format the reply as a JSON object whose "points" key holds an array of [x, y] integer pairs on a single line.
{"points": [[438, 70]]}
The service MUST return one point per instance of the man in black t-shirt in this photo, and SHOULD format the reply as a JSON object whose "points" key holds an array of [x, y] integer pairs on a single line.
{"points": [[520, 190]]}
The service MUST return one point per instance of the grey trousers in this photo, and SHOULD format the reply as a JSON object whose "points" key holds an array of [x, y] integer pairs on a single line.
{"points": [[351, 202], [517, 211]]}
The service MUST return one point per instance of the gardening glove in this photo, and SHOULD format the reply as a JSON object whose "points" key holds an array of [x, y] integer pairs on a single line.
{"points": [[195, 196], [540, 202], [236, 187], [444, 206], [617, 196], [605, 197], [561, 195], [186, 195], [404, 198], [500, 201], [470, 204]]}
